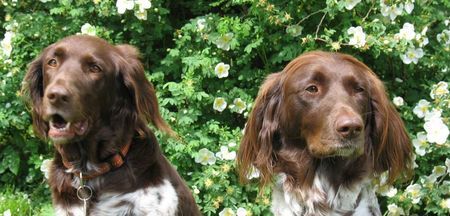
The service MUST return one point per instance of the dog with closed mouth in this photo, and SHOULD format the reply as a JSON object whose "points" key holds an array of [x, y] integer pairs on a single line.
{"points": [[320, 130], [93, 101]]}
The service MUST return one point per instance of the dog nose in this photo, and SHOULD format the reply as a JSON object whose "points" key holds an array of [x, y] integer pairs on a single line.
{"points": [[57, 95], [349, 126]]}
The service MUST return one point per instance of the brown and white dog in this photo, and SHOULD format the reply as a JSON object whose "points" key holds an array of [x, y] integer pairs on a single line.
{"points": [[322, 128], [93, 101]]}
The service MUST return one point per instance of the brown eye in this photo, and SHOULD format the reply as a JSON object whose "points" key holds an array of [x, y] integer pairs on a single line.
{"points": [[312, 89], [95, 69], [52, 63], [359, 89]]}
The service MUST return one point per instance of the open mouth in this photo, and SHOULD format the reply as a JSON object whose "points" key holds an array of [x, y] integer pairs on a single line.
{"points": [[60, 129]]}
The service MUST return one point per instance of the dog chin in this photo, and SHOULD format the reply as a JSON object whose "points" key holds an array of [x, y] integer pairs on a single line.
{"points": [[60, 140]]}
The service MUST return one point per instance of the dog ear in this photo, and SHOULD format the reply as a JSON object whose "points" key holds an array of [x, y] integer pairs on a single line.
{"points": [[33, 92], [145, 102], [391, 143], [256, 147]]}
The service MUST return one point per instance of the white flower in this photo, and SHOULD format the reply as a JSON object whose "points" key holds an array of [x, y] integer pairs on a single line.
{"points": [[407, 32], [413, 192], [444, 37], [421, 108], [141, 14], [428, 181], [398, 101], [445, 203], [420, 143], [123, 5], [350, 4], [409, 6], [412, 55], [6, 43], [7, 213], [394, 210], [358, 38], [231, 144], [205, 157], [241, 212], [437, 131], [392, 11], [195, 190], [219, 104], [223, 42], [227, 212], [387, 190], [239, 105], [221, 70], [45, 1], [422, 40], [434, 113], [88, 29], [224, 154], [294, 30], [254, 173], [45, 167], [439, 171], [143, 4], [201, 24], [439, 89]]}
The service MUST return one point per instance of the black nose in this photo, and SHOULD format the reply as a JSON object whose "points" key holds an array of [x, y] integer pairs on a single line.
{"points": [[349, 126], [57, 95]]}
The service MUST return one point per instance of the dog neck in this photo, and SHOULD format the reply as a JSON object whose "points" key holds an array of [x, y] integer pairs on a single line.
{"points": [[96, 155], [113, 162], [322, 198]]}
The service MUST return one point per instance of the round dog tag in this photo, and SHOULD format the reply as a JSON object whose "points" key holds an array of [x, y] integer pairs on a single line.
{"points": [[84, 192]]}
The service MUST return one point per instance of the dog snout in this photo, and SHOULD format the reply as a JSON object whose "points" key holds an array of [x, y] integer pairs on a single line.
{"points": [[57, 95], [348, 125]]}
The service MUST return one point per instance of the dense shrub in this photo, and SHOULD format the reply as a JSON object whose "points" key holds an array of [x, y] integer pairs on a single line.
{"points": [[207, 60]]}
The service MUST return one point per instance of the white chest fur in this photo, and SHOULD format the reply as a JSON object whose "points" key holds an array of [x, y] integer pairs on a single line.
{"points": [[322, 199], [161, 200]]}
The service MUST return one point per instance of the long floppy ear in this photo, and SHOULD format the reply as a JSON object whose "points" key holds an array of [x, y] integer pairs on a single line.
{"points": [[256, 147], [33, 92], [145, 103], [391, 143]]}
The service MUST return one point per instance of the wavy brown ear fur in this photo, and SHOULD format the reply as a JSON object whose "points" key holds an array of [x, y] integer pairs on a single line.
{"points": [[256, 146], [392, 149], [141, 90], [33, 91]]}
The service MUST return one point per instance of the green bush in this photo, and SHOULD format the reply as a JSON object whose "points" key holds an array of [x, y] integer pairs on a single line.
{"points": [[207, 60]]}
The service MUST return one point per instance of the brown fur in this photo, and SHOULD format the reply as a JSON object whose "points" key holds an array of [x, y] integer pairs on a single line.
{"points": [[118, 102], [293, 131]]}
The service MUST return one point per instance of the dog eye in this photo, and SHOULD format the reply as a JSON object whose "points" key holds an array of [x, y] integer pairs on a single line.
{"points": [[52, 63], [359, 89], [312, 89], [95, 69]]}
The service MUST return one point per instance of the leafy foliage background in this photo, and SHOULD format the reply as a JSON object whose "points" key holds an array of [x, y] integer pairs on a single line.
{"points": [[180, 46]]}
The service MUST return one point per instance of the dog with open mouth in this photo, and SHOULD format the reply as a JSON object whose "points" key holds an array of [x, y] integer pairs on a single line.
{"points": [[93, 101]]}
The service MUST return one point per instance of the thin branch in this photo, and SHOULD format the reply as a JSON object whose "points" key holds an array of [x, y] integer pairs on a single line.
{"points": [[368, 12], [312, 14], [320, 24]]}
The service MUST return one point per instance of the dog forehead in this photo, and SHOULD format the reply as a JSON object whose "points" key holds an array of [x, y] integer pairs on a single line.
{"points": [[321, 70], [82, 44]]}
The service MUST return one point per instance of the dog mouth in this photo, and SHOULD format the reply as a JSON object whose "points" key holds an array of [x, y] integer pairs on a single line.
{"points": [[62, 130], [328, 148]]}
